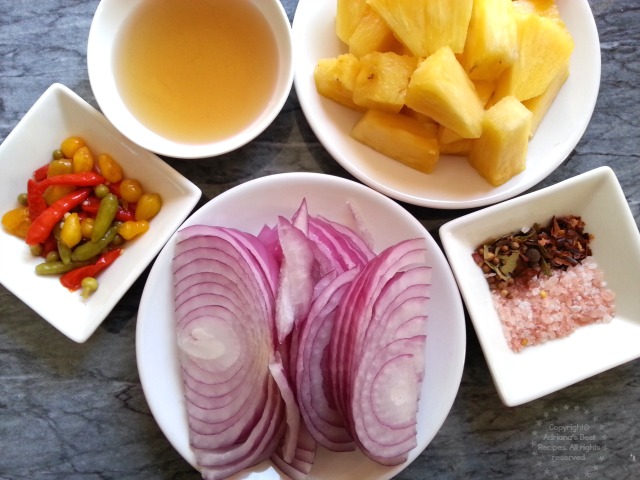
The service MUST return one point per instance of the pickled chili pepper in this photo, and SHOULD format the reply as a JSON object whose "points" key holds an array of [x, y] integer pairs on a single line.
{"points": [[41, 173], [64, 251], [92, 204], [91, 249], [83, 179], [73, 279], [106, 213], [115, 188], [58, 267], [43, 225], [35, 200]]}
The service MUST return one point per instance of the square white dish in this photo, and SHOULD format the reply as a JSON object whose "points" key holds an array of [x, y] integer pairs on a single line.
{"points": [[538, 370], [57, 114]]}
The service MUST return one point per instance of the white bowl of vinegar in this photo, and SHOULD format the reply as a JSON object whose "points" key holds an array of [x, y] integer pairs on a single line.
{"points": [[192, 79]]}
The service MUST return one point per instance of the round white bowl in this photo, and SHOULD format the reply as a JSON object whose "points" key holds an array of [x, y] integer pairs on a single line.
{"points": [[249, 207], [108, 21]]}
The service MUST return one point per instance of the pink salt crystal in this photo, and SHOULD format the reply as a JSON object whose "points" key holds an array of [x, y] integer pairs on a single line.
{"points": [[551, 307]]}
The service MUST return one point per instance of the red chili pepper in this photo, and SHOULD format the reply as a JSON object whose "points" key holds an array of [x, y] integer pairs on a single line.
{"points": [[115, 188], [41, 173], [83, 179], [35, 200], [49, 245], [42, 226], [73, 279], [91, 205]]}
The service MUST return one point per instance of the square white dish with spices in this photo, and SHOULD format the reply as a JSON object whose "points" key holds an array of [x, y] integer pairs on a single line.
{"points": [[538, 370]]}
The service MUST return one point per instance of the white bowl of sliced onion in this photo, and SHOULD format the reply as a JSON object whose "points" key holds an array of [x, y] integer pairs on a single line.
{"points": [[295, 216]]}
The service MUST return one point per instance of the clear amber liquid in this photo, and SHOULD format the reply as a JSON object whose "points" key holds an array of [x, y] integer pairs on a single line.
{"points": [[196, 71]]}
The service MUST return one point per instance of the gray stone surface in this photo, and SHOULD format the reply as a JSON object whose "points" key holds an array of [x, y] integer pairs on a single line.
{"points": [[78, 411]]}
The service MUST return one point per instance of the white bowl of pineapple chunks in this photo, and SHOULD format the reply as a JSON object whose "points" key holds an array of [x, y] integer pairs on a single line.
{"points": [[483, 108]]}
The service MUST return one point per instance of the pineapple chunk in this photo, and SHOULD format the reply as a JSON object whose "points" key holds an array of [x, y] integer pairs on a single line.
{"points": [[540, 105], [372, 35], [440, 89], [446, 136], [501, 151], [545, 46], [459, 148], [429, 123], [348, 15], [484, 90], [399, 137], [492, 40], [335, 78], [424, 26], [545, 8], [382, 81]]}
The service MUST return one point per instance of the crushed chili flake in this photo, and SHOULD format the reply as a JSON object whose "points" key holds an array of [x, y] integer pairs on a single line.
{"points": [[562, 243], [544, 282]]}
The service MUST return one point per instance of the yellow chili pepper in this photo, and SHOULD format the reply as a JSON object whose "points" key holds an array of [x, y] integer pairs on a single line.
{"points": [[70, 145], [59, 167], [56, 192], [83, 160], [86, 227], [16, 221], [130, 190], [71, 233], [132, 228], [109, 168], [148, 206]]}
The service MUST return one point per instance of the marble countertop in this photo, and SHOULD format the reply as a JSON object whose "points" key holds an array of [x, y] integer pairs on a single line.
{"points": [[78, 412]]}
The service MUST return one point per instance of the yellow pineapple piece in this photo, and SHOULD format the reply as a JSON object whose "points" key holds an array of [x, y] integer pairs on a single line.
{"points": [[459, 148], [429, 123], [335, 78], [348, 15], [382, 81], [501, 151], [492, 40], [399, 137], [545, 8], [540, 105], [372, 35], [424, 26], [484, 89], [440, 89], [446, 135], [545, 46]]}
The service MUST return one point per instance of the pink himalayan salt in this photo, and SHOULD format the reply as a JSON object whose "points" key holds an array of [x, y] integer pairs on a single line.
{"points": [[549, 307]]}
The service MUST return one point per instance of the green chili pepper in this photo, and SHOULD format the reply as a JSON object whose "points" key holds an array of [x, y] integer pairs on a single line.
{"points": [[106, 213], [63, 250], [56, 268], [91, 249]]}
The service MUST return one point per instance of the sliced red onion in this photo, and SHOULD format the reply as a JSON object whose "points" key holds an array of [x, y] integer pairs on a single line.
{"points": [[225, 331], [290, 440], [315, 396], [295, 286], [357, 350], [299, 336]]}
